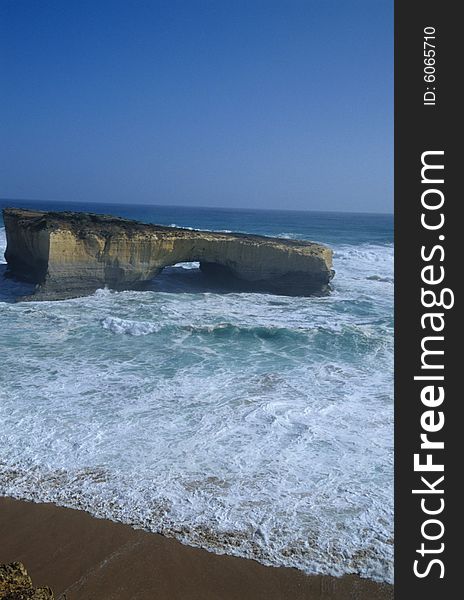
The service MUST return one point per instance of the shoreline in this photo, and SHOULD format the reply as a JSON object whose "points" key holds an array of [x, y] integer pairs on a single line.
{"points": [[95, 559]]}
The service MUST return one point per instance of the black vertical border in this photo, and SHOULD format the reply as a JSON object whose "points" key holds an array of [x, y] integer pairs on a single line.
{"points": [[420, 128]]}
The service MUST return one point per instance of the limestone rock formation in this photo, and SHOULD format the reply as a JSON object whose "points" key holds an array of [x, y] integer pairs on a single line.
{"points": [[15, 584], [72, 254]]}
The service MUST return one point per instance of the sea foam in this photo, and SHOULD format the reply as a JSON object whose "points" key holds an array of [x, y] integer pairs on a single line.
{"points": [[251, 424]]}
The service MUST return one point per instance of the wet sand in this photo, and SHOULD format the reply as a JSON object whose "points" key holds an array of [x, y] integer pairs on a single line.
{"points": [[94, 559]]}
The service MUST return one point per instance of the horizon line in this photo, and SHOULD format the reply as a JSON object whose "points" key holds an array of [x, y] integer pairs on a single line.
{"points": [[355, 212]]}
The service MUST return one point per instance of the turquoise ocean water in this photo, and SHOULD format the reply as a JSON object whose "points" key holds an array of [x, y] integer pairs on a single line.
{"points": [[244, 423]]}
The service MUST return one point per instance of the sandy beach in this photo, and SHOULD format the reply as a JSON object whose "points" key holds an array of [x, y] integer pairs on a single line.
{"points": [[94, 559]]}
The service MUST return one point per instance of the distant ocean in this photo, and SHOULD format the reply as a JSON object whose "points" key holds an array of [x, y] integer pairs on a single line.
{"points": [[244, 423]]}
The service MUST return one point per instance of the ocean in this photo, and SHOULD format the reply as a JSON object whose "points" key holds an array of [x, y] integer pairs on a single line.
{"points": [[249, 424]]}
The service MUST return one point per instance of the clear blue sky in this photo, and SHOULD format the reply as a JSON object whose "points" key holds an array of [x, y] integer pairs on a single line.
{"points": [[257, 104]]}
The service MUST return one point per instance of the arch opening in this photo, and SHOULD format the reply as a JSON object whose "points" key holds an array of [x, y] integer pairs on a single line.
{"points": [[192, 276]]}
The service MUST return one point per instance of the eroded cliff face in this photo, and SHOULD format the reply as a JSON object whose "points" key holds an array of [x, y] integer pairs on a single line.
{"points": [[72, 254]]}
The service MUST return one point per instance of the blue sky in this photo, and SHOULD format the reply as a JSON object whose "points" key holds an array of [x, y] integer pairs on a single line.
{"points": [[255, 104]]}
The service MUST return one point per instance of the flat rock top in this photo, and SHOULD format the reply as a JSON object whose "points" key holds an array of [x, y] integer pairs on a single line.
{"points": [[83, 223]]}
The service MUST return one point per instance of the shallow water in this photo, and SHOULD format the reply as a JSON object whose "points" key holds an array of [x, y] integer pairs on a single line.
{"points": [[250, 424]]}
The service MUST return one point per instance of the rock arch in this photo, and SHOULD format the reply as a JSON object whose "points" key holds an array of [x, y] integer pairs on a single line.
{"points": [[71, 254]]}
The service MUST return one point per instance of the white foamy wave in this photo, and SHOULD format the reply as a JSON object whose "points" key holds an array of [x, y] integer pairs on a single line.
{"points": [[2, 245], [117, 325], [188, 265], [365, 270], [103, 292], [290, 236], [182, 227], [246, 464], [196, 229], [365, 257]]}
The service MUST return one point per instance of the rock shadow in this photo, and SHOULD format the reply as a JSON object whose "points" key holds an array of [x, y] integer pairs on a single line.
{"points": [[11, 289]]}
